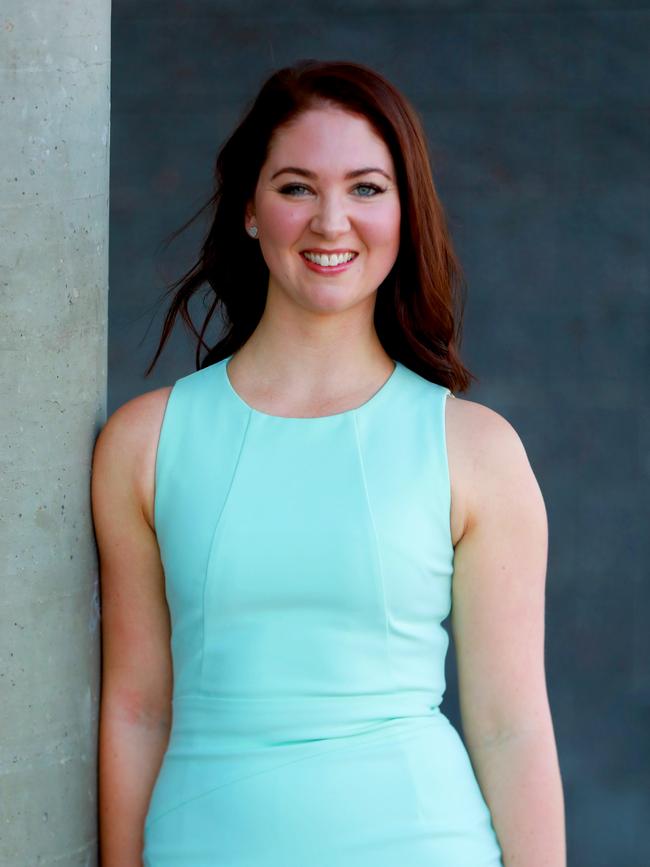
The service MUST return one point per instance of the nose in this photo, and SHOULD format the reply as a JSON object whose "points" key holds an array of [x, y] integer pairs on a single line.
{"points": [[331, 218]]}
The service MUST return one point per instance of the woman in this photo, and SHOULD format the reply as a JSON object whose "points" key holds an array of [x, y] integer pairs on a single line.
{"points": [[279, 532]]}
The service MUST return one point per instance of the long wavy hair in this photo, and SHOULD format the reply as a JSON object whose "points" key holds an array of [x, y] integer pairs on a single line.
{"points": [[419, 305]]}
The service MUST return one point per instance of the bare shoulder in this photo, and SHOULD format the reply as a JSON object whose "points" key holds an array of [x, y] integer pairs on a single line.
{"points": [[126, 446], [486, 458]]}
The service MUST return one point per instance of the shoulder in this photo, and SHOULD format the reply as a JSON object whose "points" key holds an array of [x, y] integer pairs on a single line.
{"points": [[488, 460], [125, 448], [130, 426], [482, 431]]}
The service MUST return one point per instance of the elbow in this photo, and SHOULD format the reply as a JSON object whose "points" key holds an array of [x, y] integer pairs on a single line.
{"points": [[506, 733], [133, 707]]}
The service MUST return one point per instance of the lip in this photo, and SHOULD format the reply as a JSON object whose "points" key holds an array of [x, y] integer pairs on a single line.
{"points": [[328, 252], [328, 270]]}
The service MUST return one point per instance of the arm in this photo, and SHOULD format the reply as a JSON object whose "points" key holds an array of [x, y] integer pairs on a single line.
{"points": [[135, 708], [498, 627]]}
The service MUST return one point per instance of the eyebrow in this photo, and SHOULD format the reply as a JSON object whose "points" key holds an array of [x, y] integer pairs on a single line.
{"points": [[293, 170]]}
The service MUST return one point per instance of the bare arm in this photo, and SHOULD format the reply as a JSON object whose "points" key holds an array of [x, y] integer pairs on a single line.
{"points": [[498, 626], [135, 710]]}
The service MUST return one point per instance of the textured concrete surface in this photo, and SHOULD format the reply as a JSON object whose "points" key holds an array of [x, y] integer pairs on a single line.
{"points": [[54, 116], [537, 114]]}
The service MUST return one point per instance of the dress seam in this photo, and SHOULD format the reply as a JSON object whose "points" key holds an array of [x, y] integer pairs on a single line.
{"points": [[391, 737], [382, 580], [212, 544]]}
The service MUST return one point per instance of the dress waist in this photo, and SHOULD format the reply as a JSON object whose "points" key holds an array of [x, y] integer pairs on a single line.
{"points": [[236, 722]]}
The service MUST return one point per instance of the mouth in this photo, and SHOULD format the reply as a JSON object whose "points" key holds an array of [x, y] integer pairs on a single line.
{"points": [[328, 263]]}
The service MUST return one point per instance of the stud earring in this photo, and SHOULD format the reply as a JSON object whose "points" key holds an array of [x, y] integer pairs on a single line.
{"points": [[252, 231]]}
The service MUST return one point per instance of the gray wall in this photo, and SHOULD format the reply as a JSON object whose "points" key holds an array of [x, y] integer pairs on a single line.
{"points": [[54, 117], [538, 121]]}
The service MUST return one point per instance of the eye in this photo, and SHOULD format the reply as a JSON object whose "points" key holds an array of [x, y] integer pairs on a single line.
{"points": [[376, 190], [289, 189]]}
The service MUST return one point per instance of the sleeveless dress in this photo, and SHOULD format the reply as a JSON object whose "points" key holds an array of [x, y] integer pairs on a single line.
{"points": [[308, 566]]}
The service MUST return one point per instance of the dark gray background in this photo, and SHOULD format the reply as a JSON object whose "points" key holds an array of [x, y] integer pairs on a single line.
{"points": [[539, 127]]}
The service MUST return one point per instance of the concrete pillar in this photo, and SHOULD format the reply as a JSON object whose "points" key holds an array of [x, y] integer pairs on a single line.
{"points": [[54, 172]]}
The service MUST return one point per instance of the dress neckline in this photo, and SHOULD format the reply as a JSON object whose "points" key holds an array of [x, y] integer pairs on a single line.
{"points": [[379, 395]]}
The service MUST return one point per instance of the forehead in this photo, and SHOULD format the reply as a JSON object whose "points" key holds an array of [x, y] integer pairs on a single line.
{"points": [[328, 140]]}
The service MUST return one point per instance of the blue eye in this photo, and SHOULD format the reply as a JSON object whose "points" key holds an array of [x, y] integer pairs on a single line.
{"points": [[374, 187], [289, 188], [292, 189]]}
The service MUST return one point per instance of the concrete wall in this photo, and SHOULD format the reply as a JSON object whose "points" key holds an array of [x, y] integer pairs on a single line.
{"points": [[537, 113], [54, 117]]}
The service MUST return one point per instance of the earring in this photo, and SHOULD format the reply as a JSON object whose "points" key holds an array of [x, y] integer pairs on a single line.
{"points": [[252, 231]]}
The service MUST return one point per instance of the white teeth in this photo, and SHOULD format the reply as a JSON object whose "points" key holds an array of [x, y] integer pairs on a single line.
{"points": [[335, 259]]}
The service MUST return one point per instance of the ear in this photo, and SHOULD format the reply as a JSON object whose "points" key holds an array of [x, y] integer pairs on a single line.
{"points": [[249, 212]]}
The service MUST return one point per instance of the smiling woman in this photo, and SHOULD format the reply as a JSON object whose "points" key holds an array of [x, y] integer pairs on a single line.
{"points": [[334, 149], [283, 530], [326, 227]]}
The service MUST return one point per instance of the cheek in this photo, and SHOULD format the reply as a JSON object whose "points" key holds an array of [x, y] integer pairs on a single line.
{"points": [[280, 222], [383, 231]]}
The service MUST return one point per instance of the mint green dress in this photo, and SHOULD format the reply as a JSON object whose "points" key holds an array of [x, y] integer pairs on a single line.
{"points": [[308, 566]]}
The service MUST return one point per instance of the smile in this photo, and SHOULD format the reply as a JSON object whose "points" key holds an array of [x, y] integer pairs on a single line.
{"points": [[330, 261]]}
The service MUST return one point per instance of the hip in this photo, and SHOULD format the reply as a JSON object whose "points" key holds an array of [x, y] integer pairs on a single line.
{"points": [[402, 788]]}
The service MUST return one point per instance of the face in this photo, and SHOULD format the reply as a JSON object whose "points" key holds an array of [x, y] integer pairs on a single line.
{"points": [[328, 187]]}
